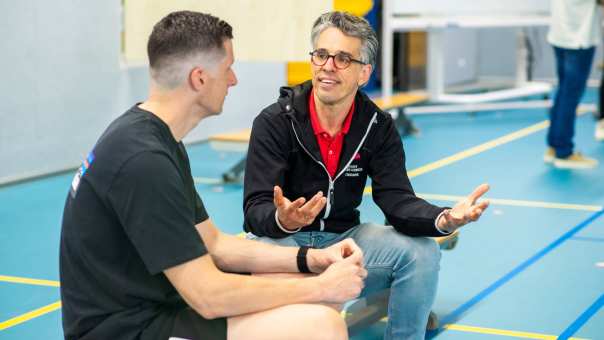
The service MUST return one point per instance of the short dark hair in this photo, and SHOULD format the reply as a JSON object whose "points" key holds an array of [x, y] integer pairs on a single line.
{"points": [[183, 34]]}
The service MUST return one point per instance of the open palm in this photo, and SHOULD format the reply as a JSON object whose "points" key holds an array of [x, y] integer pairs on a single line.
{"points": [[465, 211]]}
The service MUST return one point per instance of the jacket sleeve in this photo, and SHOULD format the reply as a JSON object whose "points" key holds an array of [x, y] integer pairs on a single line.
{"points": [[392, 191], [265, 167]]}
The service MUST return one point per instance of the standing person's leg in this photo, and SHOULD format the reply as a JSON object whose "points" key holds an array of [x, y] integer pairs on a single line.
{"points": [[408, 266], [556, 114], [601, 96], [573, 67], [599, 132]]}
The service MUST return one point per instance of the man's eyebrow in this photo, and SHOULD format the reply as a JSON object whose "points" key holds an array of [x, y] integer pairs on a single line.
{"points": [[338, 51]]}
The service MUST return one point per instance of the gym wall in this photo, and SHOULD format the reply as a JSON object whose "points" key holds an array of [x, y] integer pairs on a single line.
{"points": [[64, 81]]}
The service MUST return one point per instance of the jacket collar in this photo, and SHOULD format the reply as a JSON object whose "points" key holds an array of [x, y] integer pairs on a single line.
{"points": [[294, 104]]}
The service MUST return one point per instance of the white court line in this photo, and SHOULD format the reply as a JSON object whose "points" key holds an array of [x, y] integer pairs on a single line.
{"points": [[517, 203]]}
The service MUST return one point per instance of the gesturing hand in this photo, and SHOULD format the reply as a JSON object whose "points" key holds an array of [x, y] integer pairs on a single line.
{"points": [[299, 213], [465, 211]]}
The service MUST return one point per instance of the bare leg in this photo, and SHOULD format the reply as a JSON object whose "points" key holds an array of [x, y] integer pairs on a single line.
{"points": [[292, 322]]}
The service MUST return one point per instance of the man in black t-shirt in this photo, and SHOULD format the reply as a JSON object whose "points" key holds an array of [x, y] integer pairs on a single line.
{"points": [[140, 258]]}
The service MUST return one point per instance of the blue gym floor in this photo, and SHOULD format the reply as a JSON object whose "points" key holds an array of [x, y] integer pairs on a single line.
{"points": [[531, 268]]}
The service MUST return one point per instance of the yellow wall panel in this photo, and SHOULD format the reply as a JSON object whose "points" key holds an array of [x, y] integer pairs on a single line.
{"points": [[298, 72], [356, 7], [264, 30]]}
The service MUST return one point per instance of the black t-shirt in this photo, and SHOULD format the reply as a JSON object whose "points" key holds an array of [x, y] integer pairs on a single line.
{"points": [[130, 214]]}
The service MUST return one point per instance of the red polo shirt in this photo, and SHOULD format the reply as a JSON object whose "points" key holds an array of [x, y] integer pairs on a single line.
{"points": [[331, 147]]}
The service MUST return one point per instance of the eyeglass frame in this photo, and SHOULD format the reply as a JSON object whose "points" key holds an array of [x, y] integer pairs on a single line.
{"points": [[334, 59]]}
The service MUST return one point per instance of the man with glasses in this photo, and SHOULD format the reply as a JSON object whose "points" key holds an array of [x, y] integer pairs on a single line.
{"points": [[309, 157]]}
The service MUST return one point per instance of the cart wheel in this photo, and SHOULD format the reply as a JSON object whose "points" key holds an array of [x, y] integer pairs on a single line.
{"points": [[432, 322]]}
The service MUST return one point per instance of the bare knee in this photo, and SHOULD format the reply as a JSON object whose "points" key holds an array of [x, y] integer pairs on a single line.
{"points": [[327, 324], [293, 322]]}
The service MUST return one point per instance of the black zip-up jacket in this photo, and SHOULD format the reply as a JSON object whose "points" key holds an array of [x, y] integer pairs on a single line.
{"points": [[284, 151]]}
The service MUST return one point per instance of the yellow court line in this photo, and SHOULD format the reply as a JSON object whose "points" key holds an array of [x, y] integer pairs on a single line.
{"points": [[517, 203], [479, 148], [24, 280], [30, 315], [493, 331], [474, 150]]}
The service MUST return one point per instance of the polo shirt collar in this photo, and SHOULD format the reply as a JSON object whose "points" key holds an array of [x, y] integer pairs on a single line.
{"points": [[314, 117]]}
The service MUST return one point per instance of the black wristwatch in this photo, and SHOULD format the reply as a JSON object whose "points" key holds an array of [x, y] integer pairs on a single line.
{"points": [[301, 260]]}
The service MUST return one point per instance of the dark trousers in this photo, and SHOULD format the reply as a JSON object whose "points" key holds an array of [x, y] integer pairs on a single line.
{"points": [[601, 98], [573, 67]]}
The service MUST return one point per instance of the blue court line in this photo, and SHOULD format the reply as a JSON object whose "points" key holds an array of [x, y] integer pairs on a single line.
{"points": [[585, 238], [582, 319], [457, 314]]}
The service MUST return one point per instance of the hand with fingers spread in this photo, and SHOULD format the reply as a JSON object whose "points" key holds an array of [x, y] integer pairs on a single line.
{"points": [[343, 280], [465, 211], [299, 213], [320, 259]]}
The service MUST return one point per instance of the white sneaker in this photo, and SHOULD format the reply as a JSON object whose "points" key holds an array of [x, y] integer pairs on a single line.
{"points": [[549, 155], [599, 134], [575, 161]]}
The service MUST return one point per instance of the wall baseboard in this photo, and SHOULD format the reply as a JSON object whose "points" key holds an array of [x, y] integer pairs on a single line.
{"points": [[34, 175], [591, 82]]}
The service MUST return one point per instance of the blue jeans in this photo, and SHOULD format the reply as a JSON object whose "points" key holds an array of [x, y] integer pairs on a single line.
{"points": [[407, 265], [573, 67]]}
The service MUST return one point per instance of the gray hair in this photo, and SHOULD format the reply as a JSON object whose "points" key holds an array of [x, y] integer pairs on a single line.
{"points": [[350, 25]]}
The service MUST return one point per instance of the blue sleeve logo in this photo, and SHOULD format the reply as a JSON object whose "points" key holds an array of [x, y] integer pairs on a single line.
{"points": [[75, 183]]}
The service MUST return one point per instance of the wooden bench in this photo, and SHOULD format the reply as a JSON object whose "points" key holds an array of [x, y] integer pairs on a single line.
{"points": [[237, 141], [400, 100]]}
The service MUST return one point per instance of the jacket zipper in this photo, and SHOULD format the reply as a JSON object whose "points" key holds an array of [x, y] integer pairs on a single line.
{"points": [[330, 190]]}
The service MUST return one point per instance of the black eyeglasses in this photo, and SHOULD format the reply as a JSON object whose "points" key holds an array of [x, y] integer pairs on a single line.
{"points": [[341, 59]]}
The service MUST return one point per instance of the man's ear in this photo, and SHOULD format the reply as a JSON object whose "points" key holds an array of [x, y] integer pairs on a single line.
{"points": [[197, 78], [365, 74]]}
